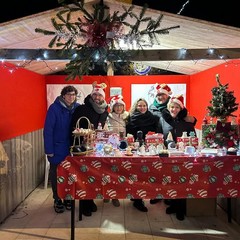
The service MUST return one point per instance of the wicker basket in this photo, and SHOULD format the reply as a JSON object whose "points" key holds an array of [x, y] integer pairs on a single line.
{"points": [[83, 137]]}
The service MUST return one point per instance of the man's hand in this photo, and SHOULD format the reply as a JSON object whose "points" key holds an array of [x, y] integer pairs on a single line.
{"points": [[50, 155], [190, 119]]}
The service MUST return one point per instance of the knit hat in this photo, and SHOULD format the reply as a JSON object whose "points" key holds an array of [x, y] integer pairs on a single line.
{"points": [[98, 88], [162, 88], [116, 99], [178, 99]]}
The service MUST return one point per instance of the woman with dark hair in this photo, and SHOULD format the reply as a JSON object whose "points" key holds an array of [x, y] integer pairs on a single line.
{"points": [[56, 134], [141, 119]]}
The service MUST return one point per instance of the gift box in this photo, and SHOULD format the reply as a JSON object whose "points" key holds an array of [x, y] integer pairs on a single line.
{"points": [[154, 138], [193, 141], [103, 134], [187, 141]]}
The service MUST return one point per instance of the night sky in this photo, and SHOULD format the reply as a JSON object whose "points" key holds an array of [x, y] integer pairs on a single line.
{"points": [[223, 12]]}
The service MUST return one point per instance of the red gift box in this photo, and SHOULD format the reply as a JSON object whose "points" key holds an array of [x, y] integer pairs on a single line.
{"points": [[188, 141], [154, 138]]}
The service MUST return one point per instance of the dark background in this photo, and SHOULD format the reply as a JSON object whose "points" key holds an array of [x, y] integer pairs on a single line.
{"points": [[223, 12]]}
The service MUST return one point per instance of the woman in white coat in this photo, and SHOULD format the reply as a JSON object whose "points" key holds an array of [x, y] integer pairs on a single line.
{"points": [[116, 120], [116, 123]]}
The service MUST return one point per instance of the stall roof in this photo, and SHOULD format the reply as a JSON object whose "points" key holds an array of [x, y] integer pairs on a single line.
{"points": [[206, 44]]}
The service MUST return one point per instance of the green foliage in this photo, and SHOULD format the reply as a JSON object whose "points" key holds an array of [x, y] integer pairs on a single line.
{"points": [[67, 32], [213, 138], [223, 102]]}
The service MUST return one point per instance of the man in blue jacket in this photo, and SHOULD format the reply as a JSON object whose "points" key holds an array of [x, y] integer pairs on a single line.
{"points": [[57, 137]]}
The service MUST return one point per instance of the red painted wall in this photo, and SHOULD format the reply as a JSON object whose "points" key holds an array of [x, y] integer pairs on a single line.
{"points": [[202, 83], [23, 102]]}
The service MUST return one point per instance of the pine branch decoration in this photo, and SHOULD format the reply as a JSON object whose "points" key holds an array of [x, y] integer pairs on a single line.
{"points": [[95, 28]]}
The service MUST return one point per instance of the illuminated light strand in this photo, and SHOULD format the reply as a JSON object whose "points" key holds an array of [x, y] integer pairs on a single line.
{"points": [[41, 55], [183, 6]]}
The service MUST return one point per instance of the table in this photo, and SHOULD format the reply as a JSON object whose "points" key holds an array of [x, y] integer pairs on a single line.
{"points": [[147, 177]]}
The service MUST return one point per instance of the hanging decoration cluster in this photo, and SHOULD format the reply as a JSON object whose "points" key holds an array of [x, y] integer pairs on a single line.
{"points": [[93, 37]]}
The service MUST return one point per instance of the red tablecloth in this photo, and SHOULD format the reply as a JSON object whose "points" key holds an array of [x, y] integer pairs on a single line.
{"points": [[97, 177]]}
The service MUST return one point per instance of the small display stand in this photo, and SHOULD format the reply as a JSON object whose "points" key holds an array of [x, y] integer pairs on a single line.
{"points": [[84, 139]]}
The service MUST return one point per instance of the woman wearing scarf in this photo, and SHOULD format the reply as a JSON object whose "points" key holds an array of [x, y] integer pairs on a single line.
{"points": [[141, 119], [57, 138]]}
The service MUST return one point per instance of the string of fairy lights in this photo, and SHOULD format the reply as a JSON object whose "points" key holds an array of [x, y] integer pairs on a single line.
{"points": [[42, 57]]}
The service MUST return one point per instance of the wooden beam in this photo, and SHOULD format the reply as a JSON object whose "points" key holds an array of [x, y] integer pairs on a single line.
{"points": [[117, 55]]}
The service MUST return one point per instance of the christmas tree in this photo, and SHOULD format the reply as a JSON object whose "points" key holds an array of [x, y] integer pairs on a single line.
{"points": [[223, 101]]}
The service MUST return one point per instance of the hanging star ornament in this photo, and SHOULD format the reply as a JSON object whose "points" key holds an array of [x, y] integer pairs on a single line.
{"points": [[93, 36]]}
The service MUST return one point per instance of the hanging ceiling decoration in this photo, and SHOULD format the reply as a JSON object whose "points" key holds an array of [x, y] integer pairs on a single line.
{"points": [[94, 36]]}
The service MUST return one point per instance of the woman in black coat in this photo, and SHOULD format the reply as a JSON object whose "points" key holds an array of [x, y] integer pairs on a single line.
{"points": [[173, 121], [141, 119]]}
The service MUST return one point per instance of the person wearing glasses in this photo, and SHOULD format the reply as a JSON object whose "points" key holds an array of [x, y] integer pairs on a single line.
{"points": [[57, 138]]}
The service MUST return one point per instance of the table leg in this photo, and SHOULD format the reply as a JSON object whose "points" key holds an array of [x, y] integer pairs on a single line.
{"points": [[229, 209], [72, 219], [80, 211]]}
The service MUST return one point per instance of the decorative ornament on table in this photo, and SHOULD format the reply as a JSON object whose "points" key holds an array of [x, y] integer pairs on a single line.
{"points": [[205, 121], [96, 37], [170, 143], [113, 139]]}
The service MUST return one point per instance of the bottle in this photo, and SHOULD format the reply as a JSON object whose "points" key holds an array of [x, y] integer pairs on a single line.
{"points": [[99, 126], [121, 135], [140, 138]]}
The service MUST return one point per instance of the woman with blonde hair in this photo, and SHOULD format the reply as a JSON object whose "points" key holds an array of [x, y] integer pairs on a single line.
{"points": [[118, 115], [172, 121], [116, 122]]}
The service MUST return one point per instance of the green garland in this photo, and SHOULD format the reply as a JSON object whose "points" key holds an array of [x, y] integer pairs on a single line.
{"points": [[98, 46], [213, 138]]}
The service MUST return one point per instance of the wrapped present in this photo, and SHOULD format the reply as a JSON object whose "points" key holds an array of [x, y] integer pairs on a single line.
{"points": [[103, 134], [187, 141], [193, 141], [154, 138]]}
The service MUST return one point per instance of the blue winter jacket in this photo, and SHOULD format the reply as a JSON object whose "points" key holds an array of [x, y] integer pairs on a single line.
{"points": [[56, 131]]}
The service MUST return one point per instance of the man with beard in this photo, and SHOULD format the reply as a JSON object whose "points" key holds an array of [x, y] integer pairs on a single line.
{"points": [[95, 109]]}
